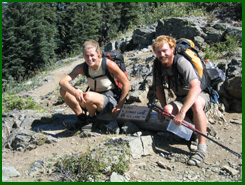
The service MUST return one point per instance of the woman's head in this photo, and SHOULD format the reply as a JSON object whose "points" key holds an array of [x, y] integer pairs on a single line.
{"points": [[92, 53], [92, 44]]}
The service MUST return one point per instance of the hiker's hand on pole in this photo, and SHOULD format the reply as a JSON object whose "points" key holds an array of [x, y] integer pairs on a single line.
{"points": [[179, 118], [80, 96]]}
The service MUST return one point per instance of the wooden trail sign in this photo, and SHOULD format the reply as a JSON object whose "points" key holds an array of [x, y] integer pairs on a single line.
{"points": [[134, 113]]}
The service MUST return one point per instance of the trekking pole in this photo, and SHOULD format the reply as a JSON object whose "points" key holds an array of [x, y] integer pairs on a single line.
{"points": [[187, 125]]}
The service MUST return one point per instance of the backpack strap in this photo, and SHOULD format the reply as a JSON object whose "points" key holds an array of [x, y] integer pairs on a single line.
{"points": [[86, 72], [85, 69]]}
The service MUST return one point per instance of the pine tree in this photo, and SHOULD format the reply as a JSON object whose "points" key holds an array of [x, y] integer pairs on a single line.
{"points": [[28, 39], [91, 21], [129, 15], [63, 26], [110, 13]]}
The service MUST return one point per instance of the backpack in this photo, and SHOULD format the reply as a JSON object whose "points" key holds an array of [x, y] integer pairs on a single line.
{"points": [[208, 77], [117, 57], [186, 48]]}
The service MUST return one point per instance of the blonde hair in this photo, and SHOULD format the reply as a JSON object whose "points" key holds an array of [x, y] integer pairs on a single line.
{"points": [[161, 40], [92, 44]]}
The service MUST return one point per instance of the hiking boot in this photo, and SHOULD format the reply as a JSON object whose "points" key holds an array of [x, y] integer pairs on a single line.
{"points": [[93, 121], [197, 158], [81, 122]]}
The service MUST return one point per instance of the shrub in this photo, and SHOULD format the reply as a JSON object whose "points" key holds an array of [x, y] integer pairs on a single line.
{"points": [[222, 49], [11, 102], [91, 166]]}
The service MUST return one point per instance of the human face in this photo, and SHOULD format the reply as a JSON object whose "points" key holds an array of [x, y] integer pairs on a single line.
{"points": [[165, 54], [91, 57]]}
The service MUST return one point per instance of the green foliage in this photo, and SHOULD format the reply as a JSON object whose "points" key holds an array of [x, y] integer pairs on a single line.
{"points": [[11, 102], [169, 9], [221, 49], [90, 166], [231, 9], [28, 39]]}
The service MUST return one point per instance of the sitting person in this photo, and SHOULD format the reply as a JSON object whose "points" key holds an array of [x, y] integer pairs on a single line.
{"points": [[186, 87], [100, 99]]}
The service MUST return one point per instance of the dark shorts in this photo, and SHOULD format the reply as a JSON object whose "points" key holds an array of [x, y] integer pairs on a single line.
{"points": [[109, 103]]}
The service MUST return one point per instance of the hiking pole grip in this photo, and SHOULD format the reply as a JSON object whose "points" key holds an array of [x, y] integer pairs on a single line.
{"points": [[187, 125]]}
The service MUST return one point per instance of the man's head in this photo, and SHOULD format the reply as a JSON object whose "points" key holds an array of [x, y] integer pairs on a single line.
{"points": [[91, 52], [164, 47]]}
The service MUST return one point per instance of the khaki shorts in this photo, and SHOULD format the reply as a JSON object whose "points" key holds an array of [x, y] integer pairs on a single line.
{"points": [[205, 96]]}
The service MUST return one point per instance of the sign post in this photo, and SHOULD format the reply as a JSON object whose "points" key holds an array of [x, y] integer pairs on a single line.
{"points": [[134, 113]]}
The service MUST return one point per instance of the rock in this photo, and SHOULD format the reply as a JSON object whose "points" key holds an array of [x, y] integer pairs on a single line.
{"points": [[142, 37], [36, 167], [117, 178], [211, 131], [236, 121], [113, 127], [187, 27], [10, 172], [139, 146], [233, 83], [129, 128], [230, 170]]}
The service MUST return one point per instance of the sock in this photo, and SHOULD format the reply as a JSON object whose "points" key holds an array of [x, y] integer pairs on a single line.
{"points": [[202, 147]]}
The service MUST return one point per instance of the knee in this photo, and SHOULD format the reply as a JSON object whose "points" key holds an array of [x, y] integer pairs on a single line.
{"points": [[169, 108], [197, 106], [62, 92], [89, 97]]}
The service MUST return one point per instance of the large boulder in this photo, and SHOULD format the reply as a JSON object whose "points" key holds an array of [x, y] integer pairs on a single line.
{"points": [[143, 36], [180, 27]]}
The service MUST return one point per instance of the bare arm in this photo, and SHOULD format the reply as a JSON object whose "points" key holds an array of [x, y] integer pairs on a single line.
{"points": [[161, 95], [118, 73], [65, 82], [192, 96], [162, 99]]}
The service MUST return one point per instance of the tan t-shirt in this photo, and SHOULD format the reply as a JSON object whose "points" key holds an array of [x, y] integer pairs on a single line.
{"points": [[187, 74]]}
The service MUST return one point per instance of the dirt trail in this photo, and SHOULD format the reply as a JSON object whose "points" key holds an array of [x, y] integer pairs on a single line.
{"points": [[53, 83]]}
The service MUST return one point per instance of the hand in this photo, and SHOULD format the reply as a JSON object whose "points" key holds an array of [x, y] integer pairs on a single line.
{"points": [[179, 118], [80, 96], [115, 111]]}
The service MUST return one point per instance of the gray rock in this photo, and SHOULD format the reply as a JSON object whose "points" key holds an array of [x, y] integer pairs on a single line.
{"points": [[117, 178], [10, 172], [230, 170], [139, 146], [129, 128], [113, 127]]}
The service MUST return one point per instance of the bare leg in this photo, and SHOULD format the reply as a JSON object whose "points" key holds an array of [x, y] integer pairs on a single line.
{"points": [[200, 119], [71, 101], [94, 102]]}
